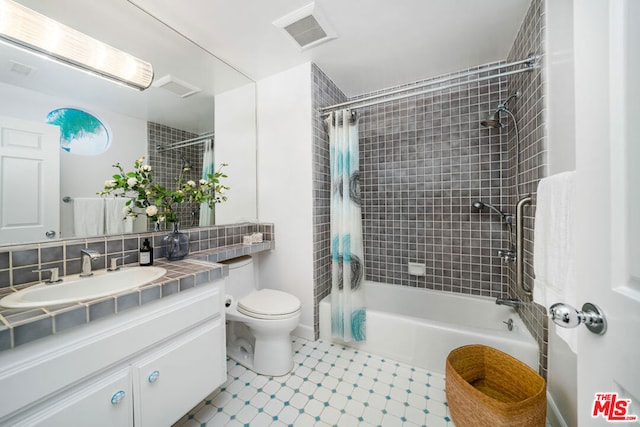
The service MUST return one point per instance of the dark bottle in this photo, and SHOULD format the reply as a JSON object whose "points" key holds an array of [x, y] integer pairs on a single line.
{"points": [[146, 253]]}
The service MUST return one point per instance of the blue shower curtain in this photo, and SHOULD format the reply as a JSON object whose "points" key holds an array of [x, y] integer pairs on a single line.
{"points": [[347, 256]]}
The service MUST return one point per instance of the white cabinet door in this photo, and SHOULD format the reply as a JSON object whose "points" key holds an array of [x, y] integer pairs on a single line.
{"points": [[173, 379], [29, 181], [107, 402]]}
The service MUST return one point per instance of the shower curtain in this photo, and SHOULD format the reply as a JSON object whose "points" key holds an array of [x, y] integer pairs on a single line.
{"points": [[347, 300], [207, 215]]}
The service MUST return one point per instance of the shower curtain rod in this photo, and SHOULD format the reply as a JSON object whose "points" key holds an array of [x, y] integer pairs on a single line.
{"points": [[185, 143], [529, 64]]}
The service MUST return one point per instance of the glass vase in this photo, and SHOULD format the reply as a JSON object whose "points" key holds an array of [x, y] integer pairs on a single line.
{"points": [[176, 244]]}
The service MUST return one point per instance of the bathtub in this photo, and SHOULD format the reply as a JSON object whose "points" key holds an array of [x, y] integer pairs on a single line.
{"points": [[420, 327]]}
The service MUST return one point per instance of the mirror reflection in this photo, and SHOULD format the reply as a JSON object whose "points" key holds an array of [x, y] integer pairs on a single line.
{"points": [[194, 101]]}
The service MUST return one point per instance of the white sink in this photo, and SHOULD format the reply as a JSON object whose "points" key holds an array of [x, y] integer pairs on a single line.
{"points": [[75, 288]]}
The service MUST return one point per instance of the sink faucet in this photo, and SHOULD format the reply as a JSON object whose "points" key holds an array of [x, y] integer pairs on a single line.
{"points": [[508, 301], [87, 256]]}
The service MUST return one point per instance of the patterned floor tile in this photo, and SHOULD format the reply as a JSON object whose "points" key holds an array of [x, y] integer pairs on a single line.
{"points": [[330, 385]]}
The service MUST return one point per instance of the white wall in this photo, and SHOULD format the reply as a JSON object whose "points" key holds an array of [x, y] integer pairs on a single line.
{"points": [[285, 195], [560, 122], [80, 176], [235, 144]]}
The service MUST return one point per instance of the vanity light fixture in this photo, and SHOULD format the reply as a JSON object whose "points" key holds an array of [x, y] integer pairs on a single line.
{"points": [[34, 32]]}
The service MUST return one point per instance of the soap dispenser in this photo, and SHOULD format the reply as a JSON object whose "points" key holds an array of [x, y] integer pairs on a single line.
{"points": [[146, 253]]}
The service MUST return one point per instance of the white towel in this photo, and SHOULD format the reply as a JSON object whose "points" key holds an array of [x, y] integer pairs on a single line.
{"points": [[88, 216], [114, 223], [553, 250]]}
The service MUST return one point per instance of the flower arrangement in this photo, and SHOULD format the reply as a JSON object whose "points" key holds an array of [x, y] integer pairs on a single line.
{"points": [[156, 201]]}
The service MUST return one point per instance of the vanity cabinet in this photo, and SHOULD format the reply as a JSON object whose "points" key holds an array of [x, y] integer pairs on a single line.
{"points": [[147, 367]]}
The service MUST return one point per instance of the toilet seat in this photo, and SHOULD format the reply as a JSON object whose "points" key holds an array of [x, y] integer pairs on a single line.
{"points": [[269, 304]]}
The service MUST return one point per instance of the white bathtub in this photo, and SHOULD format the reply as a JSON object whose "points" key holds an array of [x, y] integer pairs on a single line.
{"points": [[420, 327]]}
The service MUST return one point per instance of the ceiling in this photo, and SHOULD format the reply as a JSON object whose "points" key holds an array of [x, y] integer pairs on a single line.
{"points": [[380, 43]]}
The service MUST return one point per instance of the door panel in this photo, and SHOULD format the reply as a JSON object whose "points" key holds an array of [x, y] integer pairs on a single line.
{"points": [[183, 372], [607, 110], [29, 180], [93, 405]]}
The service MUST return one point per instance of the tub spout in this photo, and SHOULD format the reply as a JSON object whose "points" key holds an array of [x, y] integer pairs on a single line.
{"points": [[508, 301]]}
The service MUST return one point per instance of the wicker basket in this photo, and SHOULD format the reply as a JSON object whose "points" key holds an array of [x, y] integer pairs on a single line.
{"points": [[486, 387]]}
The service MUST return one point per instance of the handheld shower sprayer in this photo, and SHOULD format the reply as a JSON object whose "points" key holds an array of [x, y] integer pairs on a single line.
{"points": [[508, 255], [508, 218]]}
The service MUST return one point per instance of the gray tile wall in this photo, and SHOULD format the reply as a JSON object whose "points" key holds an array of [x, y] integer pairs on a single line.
{"points": [[325, 92], [424, 161], [17, 262], [530, 113], [166, 165]]}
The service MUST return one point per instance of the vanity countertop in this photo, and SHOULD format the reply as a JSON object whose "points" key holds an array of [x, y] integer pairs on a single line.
{"points": [[20, 326]]}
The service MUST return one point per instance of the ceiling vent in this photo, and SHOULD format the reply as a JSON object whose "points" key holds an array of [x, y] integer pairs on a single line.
{"points": [[177, 86], [307, 26], [18, 68]]}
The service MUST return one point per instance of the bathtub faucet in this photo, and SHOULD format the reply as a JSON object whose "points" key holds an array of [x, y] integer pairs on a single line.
{"points": [[508, 301]]}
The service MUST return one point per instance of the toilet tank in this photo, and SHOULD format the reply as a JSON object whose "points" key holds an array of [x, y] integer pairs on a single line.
{"points": [[241, 280]]}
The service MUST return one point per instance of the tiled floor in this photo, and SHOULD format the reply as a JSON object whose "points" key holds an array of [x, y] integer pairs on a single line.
{"points": [[330, 385]]}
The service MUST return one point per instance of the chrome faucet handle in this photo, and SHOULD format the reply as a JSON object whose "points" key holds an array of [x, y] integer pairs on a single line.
{"points": [[54, 274], [114, 263]]}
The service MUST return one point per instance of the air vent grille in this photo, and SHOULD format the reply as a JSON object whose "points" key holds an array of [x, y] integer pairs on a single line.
{"points": [[306, 26], [306, 31], [176, 86]]}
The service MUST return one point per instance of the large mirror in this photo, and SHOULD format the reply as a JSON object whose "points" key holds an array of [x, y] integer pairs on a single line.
{"points": [[160, 123]]}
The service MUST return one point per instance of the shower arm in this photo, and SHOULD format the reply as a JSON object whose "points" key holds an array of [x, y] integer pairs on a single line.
{"points": [[503, 105]]}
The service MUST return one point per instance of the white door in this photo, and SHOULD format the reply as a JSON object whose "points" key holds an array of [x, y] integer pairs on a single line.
{"points": [[29, 181], [607, 70]]}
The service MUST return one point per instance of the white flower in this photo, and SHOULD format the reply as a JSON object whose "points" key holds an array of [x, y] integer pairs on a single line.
{"points": [[146, 168], [110, 183], [141, 159], [132, 182], [126, 210], [220, 190], [191, 183], [203, 182], [152, 210]]}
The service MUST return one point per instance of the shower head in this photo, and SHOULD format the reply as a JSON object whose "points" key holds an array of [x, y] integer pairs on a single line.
{"points": [[481, 205], [493, 121]]}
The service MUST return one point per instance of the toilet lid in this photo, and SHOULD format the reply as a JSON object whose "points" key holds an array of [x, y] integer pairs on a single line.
{"points": [[269, 303]]}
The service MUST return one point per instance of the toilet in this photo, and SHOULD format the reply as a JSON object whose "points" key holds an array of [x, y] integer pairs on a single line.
{"points": [[259, 322]]}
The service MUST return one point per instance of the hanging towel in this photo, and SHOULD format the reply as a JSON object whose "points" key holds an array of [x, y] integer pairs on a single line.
{"points": [[88, 216], [553, 250], [113, 213]]}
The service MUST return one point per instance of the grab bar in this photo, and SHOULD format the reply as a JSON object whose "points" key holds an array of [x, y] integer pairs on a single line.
{"points": [[525, 201]]}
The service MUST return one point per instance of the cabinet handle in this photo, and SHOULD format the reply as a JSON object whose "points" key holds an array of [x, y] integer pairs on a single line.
{"points": [[153, 376], [117, 397]]}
